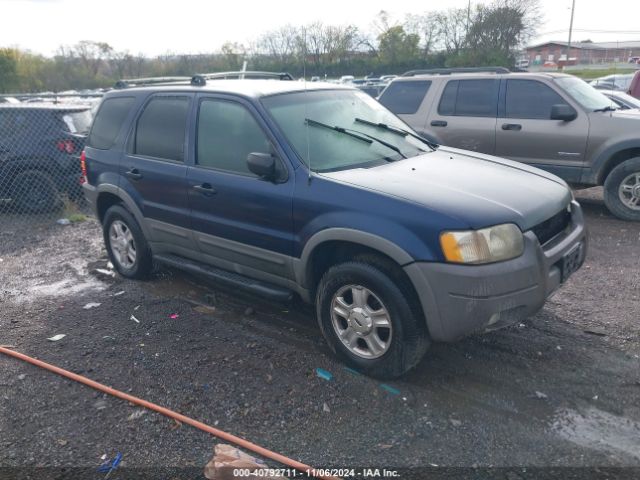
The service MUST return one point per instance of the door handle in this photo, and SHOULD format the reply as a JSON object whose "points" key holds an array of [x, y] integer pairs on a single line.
{"points": [[205, 189], [134, 174], [438, 123], [512, 126]]}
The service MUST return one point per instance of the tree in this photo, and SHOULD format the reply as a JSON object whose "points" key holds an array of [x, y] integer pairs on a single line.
{"points": [[397, 47], [8, 69]]}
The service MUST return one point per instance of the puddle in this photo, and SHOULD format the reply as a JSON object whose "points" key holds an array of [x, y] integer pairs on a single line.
{"points": [[599, 430]]}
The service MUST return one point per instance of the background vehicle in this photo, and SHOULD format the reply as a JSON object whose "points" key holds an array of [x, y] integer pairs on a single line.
{"points": [[621, 100], [277, 188], [39, 149], [620, 82], [553, 121]]}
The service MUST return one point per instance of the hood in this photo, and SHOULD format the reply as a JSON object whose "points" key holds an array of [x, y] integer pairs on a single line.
{"points": [[478, 190], [630, 114]]}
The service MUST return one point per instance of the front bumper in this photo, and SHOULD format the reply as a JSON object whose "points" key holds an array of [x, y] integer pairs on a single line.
{"points": [[459, 300]]}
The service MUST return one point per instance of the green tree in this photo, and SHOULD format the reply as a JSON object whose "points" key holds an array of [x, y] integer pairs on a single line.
{"points": [[397, 47], [8, 69]]}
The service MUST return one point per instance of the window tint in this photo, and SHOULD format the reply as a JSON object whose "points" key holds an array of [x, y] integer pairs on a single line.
{"points": [[405, 97], [470, 98], [108, 121], [530, 99], [161, 128], [227, 134]]}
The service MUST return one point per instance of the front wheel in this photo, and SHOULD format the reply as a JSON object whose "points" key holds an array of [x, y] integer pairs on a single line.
{"points": [[622, 190], [369, 321]]}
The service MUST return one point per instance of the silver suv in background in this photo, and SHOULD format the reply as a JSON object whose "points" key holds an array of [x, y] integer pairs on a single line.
{"points": [[553, 121]]}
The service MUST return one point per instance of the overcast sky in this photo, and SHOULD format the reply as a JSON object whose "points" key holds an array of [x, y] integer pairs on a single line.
{"points": [[190, 26]]}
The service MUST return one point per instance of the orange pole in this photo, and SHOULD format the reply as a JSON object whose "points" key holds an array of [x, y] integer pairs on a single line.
{"points": [[241, 442]]}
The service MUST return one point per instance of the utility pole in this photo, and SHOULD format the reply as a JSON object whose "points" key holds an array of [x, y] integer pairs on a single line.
{"points": [[573, 7]]}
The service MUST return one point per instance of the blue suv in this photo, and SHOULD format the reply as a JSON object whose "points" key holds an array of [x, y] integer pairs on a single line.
{"points": [[282, 188]]}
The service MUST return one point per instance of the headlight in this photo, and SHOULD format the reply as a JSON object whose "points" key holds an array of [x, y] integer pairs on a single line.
{"points": [[492, 244]]}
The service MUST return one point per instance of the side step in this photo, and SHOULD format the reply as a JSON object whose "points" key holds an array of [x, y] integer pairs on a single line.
{"points": [[230, 279]]}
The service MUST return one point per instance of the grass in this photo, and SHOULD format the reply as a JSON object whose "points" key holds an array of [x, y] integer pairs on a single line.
{"points": [[590, 74], [71, 211]]}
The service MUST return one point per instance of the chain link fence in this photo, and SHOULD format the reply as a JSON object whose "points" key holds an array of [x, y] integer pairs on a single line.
{"points": [[41, 139]]}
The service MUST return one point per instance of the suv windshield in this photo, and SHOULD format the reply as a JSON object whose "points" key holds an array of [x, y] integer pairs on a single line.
{"points": [[583, 93], [308, 120]]}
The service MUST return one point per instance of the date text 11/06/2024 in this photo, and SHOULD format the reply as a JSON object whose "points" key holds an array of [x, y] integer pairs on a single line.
{"points": [[316, 473]]}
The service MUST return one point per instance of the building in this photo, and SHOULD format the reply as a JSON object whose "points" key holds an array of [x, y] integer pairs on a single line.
{"points": [[583, 52]]}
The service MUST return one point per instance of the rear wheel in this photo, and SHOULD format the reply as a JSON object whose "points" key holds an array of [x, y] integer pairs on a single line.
{"points": [[369, 321], [35, 192], [126, 245], [622, 190]]}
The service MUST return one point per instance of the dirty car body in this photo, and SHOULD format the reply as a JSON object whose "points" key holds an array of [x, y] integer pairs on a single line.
{"points": [[323, 193]]}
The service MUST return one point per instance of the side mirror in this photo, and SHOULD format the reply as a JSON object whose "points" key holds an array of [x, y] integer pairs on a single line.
{"points": [[563, 112], [262, 164]]}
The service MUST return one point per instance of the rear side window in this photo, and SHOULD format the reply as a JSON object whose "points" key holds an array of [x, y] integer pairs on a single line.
{"points": [[470, 98], [227, 134], [161, 128], [108, 121], [77, 122], [530, 99], [405, 97]]}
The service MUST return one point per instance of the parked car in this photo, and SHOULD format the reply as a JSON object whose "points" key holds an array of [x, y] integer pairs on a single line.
{"points": [[39, 149], [634, 87], [280, 189], [621, 100], [620, 82], [552, 121], [346, 79], [12, 100]]}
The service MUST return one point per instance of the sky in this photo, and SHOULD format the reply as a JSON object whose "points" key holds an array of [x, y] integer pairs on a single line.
{"points": [[190, 26]]}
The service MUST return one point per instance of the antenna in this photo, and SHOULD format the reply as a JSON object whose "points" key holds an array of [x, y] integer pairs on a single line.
{"points": [[306, 104]]}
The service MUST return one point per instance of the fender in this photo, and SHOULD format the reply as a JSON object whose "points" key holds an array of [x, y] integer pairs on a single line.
{"points": [[594, 174], [400, 256], [128, 202]]}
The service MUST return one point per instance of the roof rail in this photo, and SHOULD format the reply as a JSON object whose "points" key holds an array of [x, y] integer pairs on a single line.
{"points": [[139, 82], [449, 71], [201, 78]]}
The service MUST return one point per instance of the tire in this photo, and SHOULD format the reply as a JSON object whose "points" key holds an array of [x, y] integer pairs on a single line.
{"points": [[403, 344], [622, 189], [126, 245], [34, 191]]}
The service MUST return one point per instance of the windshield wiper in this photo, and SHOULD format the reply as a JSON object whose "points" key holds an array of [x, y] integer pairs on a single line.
{"points": [[608, 108], [365, 137], [337, 129], [397, 131]]}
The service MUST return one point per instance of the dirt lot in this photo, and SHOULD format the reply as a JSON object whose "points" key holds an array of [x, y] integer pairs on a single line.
{"points": [[561, 390]]}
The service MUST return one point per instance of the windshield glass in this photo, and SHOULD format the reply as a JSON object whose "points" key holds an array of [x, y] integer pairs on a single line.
{"points": [[328, 149], [583, 93]]}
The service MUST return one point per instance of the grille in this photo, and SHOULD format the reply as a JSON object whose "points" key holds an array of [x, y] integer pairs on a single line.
{"points": [[553, 226]]}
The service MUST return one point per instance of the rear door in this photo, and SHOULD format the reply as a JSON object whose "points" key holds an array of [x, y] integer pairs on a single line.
{"points": [[405, 98], [153, 169], [240, 222], [466, 115], [526, 133]]}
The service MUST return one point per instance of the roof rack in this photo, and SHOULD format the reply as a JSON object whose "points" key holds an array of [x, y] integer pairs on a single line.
{"points": [[200, 79], [139, 82], [449, 71]]}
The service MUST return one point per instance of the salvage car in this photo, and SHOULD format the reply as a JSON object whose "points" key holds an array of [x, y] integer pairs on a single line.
{"points": [[282, 189], [39, 149]]}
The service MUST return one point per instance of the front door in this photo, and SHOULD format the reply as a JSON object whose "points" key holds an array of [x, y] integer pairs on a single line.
{"points": [[153, 170], [240, 222], [526, 133]]}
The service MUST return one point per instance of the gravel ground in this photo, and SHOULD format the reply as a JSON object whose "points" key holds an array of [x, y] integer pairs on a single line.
{"points": [[560, 390]]}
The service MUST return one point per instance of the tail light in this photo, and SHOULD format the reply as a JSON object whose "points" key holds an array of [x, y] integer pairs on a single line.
{"points": [[83, 167], [66, 146]]}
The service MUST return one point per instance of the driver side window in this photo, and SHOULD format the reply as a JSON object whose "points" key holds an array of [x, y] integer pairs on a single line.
{"points": [[530, 99], [227, 133]]}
